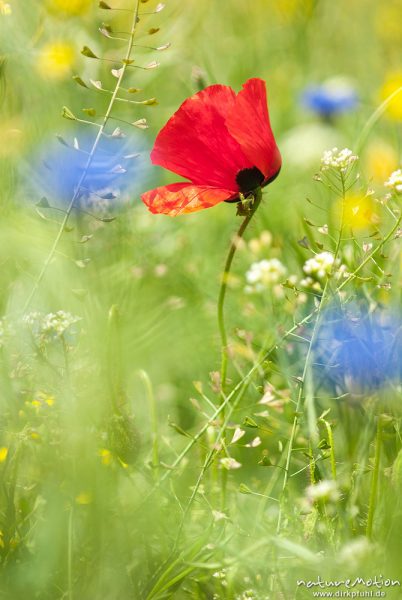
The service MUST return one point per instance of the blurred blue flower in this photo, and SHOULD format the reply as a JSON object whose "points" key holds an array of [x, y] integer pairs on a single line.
{"points": [[359, 350], [117, 165], [333, 97]]}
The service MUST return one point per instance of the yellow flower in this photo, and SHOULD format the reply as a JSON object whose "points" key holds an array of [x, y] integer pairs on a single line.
{"points": [[69, 7], [359, 211], [381, 160], [106, 456], [84, 498], [3, 454], [56, 60], [392, 83], [5, 8]]}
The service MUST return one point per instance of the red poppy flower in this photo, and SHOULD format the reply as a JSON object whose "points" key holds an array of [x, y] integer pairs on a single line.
{"points": [[221, 142]]}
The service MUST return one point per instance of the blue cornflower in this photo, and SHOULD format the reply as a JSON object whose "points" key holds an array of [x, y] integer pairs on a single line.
{"points": [[359, 350], [333, 97]]}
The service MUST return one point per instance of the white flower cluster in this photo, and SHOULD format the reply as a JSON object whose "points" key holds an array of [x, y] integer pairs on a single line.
{"points": [[320, 265], [50, 326], [326, 490], [265, 274], [394, 183], [340, 160]]}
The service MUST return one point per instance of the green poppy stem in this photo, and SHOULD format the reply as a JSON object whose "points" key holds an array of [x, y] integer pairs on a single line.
{"points": [[251, 209], [225, 277]]}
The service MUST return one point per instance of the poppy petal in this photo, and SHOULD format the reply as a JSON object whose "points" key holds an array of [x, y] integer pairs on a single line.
{"points": [[248, 122], [196, 144], [181, 198]]}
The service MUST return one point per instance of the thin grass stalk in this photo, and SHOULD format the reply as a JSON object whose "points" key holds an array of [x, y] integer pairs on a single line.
{"points": [[90, 159]]}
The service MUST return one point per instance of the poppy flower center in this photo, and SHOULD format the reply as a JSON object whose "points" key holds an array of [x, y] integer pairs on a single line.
{"points": [[249, 179]]}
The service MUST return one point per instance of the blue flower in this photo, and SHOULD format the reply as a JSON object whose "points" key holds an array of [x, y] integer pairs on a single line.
{"points": [[117, 164], [358, 350], [333, 97]]}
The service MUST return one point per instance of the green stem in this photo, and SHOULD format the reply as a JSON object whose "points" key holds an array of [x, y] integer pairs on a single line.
{"points": [[70, 555], [332, 449], [91, 156], [374, 480], [225, 276], [154, 422]]}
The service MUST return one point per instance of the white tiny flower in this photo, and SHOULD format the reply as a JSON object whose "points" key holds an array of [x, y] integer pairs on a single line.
{"points": [[323, 229], [326, 490], [339, 160], [320, 265], [265, 274], [230, 463], [394, 182]]}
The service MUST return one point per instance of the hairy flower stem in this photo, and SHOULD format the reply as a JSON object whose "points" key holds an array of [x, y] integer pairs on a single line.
{"points": [[225, 277], [90, 159], [374, 480], [257, 196]]}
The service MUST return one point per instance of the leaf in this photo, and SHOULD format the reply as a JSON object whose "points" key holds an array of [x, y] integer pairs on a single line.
{"points": [[104, 31], [67, 114], [43, 203], [117, 72], [118, 169], [141, 124], [96, 83], [163, 47], [117, 133], [82, 263], [249, 422], [152, 65], [86, 51], [91, 112], [80, 81], [62, 140], [153, 30], [104, 6], [150, 102], [85, 239]]}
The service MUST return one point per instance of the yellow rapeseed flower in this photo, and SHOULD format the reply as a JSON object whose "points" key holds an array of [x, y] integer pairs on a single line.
{"points": [[381, 160], [3, 454], [359, 211], [391, 84], [5, 9], [69, 7], [106, 456], [56, 60], [84, 498]]}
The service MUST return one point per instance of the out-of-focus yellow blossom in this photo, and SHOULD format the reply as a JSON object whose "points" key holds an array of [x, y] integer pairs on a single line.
{"points": [[106, 456], [3, 454], [391, 84], [1, 539], [84, 498], [69, 7], [381, 160], [290, 8], [35, 436], [359, 211], [56, 60], [5, 8], [388, 21]]}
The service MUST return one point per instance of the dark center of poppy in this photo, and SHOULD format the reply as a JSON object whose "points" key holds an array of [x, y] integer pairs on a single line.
{"points": [[249, 179]]}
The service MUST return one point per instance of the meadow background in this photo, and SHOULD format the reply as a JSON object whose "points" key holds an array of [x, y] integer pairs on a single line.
{"points": [[109, 369]]}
